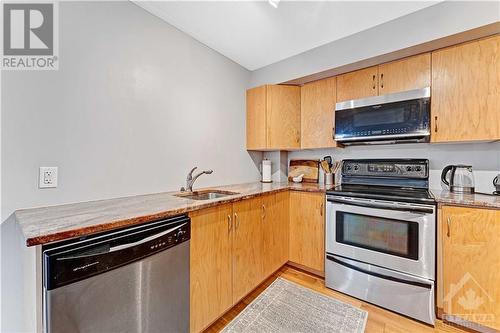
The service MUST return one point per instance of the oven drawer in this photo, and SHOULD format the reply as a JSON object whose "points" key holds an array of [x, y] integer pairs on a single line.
{"points": [[402, 293]]}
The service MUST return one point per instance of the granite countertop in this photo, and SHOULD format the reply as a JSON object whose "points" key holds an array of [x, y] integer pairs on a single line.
{"points": [[55, 223], [444, 197]]}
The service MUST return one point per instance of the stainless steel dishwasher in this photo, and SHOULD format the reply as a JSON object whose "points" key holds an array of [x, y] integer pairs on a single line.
{"points": [[132, 280]]}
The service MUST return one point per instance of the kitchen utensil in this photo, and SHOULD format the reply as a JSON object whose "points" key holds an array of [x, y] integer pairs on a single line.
{"points": [[298, 179], [460, 179], [310, 169], [266, 171], [336, 167], [329, 160], [325, 166]]}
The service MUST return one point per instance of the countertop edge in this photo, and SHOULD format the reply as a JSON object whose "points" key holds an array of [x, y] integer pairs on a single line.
{"points": [[117, 224]]}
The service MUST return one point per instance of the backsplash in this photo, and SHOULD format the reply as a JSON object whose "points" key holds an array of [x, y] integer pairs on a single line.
{"points": [[484, 158]]}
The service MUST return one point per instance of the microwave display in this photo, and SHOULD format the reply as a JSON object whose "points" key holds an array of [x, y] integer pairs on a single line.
{"points": [[373, 118]]}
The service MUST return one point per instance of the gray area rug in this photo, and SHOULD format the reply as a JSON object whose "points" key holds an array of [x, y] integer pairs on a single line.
{"points": [[287, 307]]}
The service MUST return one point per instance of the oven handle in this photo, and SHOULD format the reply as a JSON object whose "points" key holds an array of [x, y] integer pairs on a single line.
{"points": [[382, 276], [373, 204]]}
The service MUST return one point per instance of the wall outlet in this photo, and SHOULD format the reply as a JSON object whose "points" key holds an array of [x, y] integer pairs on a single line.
{"points": [[47, 177]]}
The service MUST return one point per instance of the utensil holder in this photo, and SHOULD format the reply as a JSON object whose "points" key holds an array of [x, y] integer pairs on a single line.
{"points": [[328, 178]]}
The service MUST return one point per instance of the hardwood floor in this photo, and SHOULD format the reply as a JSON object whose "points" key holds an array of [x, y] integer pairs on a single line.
{"points": [[379, 320]]}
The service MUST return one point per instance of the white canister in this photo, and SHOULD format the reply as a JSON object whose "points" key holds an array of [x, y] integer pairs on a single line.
{"points": [[266, 171]]}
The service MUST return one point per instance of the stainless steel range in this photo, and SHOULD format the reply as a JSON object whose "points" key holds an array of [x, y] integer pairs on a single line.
{"points": [[381, 235]]}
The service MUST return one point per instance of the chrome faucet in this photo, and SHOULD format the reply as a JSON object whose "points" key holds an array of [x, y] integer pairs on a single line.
{"points": [[190, 179]]}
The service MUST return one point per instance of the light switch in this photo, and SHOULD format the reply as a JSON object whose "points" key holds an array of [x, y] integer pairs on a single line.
{"points": [[48, 177]]}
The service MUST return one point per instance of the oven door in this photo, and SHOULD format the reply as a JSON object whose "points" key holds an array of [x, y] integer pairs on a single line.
{"points": [[394, 235]]}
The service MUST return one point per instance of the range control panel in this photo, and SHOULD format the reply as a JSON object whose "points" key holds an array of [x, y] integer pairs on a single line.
{"points": [[401, 168]]}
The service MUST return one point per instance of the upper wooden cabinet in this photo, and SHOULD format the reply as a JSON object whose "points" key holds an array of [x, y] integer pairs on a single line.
{"points": [[317, 113], [273, 118], [471, 265], [400, 75], [307, 230], [406, 74], [466, 92], [357, 84]]}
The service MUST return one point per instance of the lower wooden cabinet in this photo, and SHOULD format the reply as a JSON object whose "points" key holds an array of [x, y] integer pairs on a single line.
{"points": [[234, 247], [470, 262], [307, 229], [276, 231], [247, 247], [211, 292]]}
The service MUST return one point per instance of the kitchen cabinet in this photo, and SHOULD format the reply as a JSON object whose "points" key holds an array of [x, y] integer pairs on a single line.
{"points": [[400, 75], [466, 92], [234, 247], [405, 74], [210, 265], [273, 118], [470, 262], [276, 231], [307, 230], [247, 247], [357, 84], [318, 100]]}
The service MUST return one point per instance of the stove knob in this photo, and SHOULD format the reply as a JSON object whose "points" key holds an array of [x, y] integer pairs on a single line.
{"points": [[349, 168], [418, 168], [356, 168], [408, 168]]}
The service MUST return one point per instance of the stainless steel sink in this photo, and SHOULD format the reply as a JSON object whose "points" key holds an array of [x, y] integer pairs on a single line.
{"points": [[205, 194]]}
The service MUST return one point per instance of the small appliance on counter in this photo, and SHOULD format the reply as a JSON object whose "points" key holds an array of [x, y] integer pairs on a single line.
{"points": [[496, 183], [460, 179], [266, 171]]}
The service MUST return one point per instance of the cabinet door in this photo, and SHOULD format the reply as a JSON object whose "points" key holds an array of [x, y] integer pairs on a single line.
{"points": [[357, 84], [307, 229], [256, 118], [466, 92], [471, 264], [275, 227], [405, 74], [210, 265], [247, 247], [317, 114], [283, 117]]}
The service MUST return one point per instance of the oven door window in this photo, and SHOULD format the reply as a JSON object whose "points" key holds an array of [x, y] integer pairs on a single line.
{"points": [[379, 234]]}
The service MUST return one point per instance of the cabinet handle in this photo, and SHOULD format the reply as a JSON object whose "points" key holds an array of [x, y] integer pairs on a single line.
{"points": [[435, 124], [448, 222], [382, 80], [373, 79], [321, 210], [236, 222], [263, 212], [229, 222]]}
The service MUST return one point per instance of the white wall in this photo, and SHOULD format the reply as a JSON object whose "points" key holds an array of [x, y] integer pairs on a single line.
{"points": [[441, 20], [134, 105]]}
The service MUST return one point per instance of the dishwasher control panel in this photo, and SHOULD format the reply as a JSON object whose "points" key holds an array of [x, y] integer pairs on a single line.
{"points": [[71, 261]]}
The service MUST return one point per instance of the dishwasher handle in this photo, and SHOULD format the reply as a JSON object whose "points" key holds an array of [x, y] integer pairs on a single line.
{"points": [[147, 239]]}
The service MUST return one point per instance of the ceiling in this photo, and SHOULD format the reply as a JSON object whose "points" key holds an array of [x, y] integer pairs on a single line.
{"points": [[254, 34]]}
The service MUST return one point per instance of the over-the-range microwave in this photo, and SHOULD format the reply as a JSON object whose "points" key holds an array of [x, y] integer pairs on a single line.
{"points": [[393, 118]]}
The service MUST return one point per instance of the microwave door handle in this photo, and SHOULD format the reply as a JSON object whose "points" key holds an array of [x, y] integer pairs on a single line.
{"points": [[371, 204]]}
